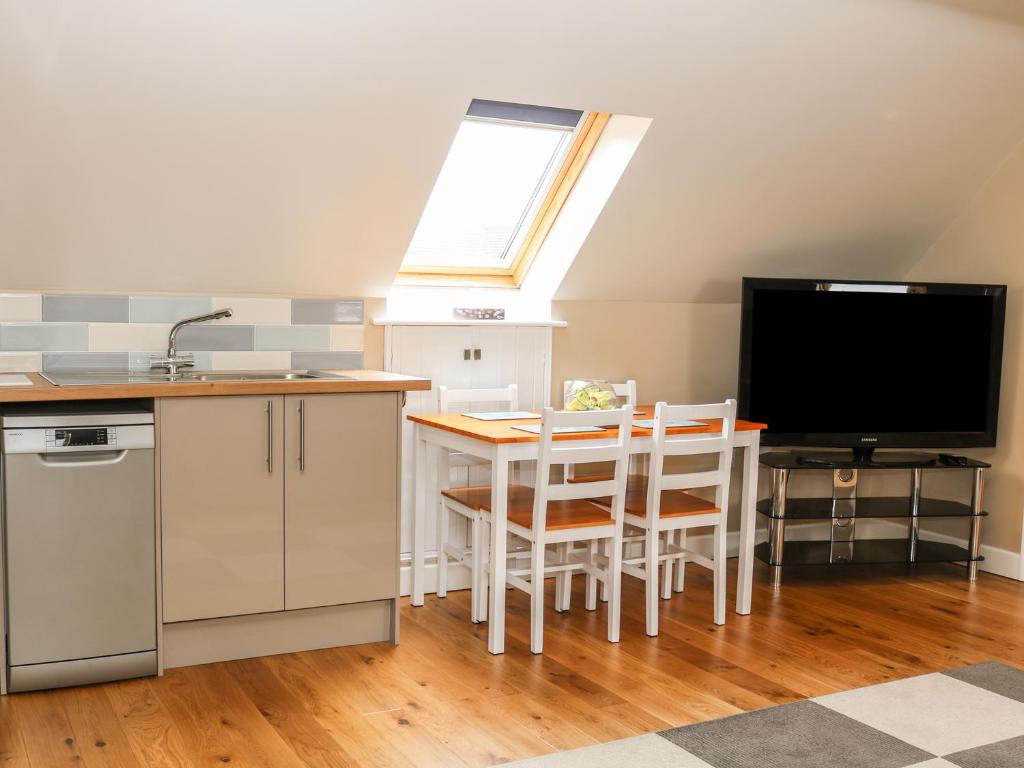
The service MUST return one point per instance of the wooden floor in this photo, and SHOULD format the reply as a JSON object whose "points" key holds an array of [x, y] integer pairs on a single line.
{"points": [[440, 699]]}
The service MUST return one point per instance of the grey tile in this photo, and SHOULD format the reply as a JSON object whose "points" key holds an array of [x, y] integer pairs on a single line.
{"points": [[85, 361], [345, 361], [215, 338], [81, 308], [293, 337], [44, 337], [648, 751], [995, 677], [1002, 754], [326, 311], [167, 309], [799, 735]]}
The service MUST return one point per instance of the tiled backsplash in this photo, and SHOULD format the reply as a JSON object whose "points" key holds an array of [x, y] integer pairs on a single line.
{"points": [[117, 332]]}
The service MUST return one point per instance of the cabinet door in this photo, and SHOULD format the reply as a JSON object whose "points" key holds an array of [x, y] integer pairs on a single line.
{"points": [[222, 513], [341, 498]]}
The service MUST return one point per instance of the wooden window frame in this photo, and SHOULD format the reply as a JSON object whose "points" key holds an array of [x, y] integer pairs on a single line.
{"points": [[513, 275]]}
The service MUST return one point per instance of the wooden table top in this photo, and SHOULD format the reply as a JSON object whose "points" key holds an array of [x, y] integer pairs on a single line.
{"points": [[503, 432]]}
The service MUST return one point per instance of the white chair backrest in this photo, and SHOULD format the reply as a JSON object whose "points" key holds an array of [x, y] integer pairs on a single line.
{"points": [[720, 442], [447, 398], [564, 449], [626, 390]]}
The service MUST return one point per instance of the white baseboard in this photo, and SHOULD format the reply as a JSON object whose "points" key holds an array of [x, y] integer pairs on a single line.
{"points": [[1000, 562]]}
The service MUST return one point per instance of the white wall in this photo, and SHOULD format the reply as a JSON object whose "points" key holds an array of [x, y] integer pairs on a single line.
{"points": [[986, 245], [288, 146]]}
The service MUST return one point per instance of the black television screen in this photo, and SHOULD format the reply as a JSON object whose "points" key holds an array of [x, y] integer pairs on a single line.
{"points": [[862, 365]]}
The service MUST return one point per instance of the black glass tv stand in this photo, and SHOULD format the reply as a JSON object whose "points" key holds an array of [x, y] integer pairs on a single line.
{"points": [[845, 508], [866, 458]]}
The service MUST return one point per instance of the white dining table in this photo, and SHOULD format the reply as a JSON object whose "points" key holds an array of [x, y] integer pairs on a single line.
{"points": [[499, 443]]}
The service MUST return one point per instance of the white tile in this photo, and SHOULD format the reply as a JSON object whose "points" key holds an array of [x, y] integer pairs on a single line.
{"points": [[127, 337], [254, 311], [251, 361], [938, 762], [347, 338], [935, 713], [19, 362], [21, 307], [650, 751]]}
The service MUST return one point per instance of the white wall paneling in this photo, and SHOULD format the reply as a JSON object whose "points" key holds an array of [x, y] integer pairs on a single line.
{"points": [[511, 354]]}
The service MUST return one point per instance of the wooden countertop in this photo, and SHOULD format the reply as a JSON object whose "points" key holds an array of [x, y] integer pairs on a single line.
{"points": [[505, 432], [364, 381]]}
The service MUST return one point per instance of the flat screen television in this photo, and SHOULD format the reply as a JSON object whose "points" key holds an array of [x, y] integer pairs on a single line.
{"points": [[848, 364]]}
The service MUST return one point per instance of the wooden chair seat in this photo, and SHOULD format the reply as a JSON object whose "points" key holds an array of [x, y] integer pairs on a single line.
{"points": [[673, 503], [577, 513]]}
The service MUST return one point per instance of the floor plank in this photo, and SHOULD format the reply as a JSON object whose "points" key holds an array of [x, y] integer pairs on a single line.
{"points": [[440, 699]]}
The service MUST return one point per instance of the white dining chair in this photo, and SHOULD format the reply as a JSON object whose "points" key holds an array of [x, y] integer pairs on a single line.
{"points": [[556, 514], [660, 507], [625, 391], [476, 532]]}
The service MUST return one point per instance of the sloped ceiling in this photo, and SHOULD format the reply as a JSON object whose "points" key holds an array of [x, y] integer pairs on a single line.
{"points": [[288, 146]]}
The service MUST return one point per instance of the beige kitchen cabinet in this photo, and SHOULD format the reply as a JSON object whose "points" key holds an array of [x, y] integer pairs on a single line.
{"points": [[340, 498], [222, 493]]}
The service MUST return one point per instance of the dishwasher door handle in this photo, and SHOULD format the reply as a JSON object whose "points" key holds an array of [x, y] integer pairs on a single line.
{"points": [[82, 459]]}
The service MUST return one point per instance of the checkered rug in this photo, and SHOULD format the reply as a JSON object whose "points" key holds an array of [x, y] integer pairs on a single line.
{"points": [[971, 717]]}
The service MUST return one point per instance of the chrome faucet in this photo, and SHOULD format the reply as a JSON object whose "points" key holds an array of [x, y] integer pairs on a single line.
{"points": [[174, 361]]}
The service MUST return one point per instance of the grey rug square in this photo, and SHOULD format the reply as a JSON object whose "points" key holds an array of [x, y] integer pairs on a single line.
{"points": [[1002, 754], [799, 735], [995, 677]]}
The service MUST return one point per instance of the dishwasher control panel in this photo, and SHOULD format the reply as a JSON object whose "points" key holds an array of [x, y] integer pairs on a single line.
{"points": [[76, 439], [81, 436]]}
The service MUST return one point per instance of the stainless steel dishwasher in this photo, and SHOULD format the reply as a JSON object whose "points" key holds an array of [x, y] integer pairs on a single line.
{"points": [[79, 542]]}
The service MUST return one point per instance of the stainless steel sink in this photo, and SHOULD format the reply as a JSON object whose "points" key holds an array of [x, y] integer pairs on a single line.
{"points": [[253, 376], [120, 378]]}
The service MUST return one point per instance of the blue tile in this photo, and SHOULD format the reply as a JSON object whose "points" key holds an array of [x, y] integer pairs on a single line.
{"points": [[81, 308], [215, 338], [326, 311], [85, 361], [345, 361], [44, 337], [167, 309], [293, 337]]}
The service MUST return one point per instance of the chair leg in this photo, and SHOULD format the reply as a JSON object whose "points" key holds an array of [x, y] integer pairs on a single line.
{"points": [[591, 604], [651, 580], [442, 558], [483, 545], [563, 582], [719, 570], [666, 583], [614, 579], [606, 549], [537, 598], [476, 568], [681, 562]]}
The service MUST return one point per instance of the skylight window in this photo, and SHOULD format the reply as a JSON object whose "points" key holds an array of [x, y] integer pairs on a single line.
{"points": [[498, 192]]}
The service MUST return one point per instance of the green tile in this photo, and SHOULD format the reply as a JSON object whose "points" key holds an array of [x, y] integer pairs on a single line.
{"points": [[304, 338], [167, 309]]}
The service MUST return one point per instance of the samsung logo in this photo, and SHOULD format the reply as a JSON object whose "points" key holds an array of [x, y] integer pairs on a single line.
{"points": [[869, 439]]}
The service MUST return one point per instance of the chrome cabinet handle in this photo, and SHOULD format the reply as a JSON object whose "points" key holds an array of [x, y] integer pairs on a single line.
{"points": [[302, 435], [269, 437]]}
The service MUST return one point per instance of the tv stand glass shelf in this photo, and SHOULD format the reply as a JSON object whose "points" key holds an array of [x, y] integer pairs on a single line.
{"points": [[845, 508]]}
